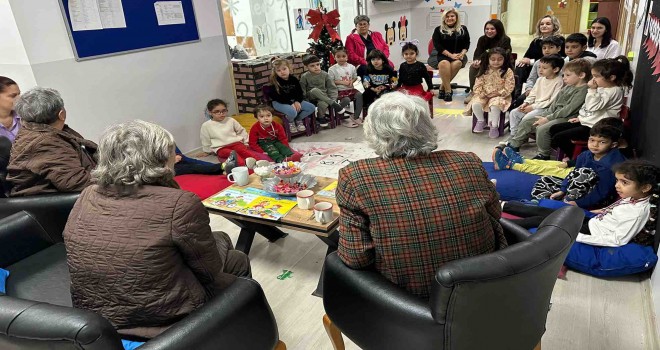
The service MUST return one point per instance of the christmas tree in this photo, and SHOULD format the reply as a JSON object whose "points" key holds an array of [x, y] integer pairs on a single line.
{"points": [[325, 37]]}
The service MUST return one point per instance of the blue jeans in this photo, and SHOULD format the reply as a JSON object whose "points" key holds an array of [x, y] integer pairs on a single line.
{"points": [[305, 111]]}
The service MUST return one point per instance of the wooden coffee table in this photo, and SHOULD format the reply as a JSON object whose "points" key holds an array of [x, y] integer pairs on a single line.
{"points": [[297, 219]]}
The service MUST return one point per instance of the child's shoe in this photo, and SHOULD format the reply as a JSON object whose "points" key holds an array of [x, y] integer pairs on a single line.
{"points": [[293, 128], [230, 163], [349, 123], [250, 162], [300, 125], [541, 157], [493, 133], [479, 126], [323, 121], [513, 156], [500, 161]]}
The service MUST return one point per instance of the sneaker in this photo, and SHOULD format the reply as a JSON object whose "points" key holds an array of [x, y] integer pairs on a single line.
{"points": [[479, 126], [513, 156], [324, 122], [231, 162], [300, 125], [349, 123], [341, 111], [493, 133], [359, 121], [293, 128], [541, 157], [468, 98], [250, 162], [441, 95], [448, 96], [500, 161]]}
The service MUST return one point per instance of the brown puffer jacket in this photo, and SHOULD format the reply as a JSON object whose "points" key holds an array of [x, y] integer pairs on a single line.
{"points": [[47, 160], [142, 261]]}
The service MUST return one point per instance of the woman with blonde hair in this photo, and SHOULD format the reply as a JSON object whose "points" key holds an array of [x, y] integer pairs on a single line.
{"points": [[451, 42], [546, 26]]}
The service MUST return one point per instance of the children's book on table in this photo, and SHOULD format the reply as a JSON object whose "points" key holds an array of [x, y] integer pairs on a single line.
{"points": [[252, 202]]}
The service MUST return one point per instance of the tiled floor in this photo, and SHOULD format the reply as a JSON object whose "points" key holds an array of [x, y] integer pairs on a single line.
{"points": [[587, 312]]}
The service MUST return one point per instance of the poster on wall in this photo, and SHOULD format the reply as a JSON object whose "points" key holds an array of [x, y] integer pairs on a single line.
{"points": [[301, 23]]}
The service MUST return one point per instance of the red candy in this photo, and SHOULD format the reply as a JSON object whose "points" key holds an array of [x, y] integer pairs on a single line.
{"points": [[286, 187]]}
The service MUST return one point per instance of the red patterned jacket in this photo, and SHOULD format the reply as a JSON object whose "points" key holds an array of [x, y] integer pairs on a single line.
{"points": [[408, 216]]}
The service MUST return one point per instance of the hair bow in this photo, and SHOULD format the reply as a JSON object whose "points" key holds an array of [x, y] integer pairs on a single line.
{"points": [[413, 41]]}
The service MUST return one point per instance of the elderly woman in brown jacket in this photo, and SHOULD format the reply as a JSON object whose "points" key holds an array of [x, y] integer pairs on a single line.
{"points": [[47, 156], [139, 249]]}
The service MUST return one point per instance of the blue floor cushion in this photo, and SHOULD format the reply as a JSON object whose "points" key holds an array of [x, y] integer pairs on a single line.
{"points": [[611, 261], [511, 184], [130, 345]]}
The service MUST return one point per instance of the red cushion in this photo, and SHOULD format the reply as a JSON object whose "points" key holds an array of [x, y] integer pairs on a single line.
{"points": [[204, 186]]}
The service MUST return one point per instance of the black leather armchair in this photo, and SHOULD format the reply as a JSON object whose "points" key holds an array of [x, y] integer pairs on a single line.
{"points": [[51, 210], [36, 313], [492, 301]]}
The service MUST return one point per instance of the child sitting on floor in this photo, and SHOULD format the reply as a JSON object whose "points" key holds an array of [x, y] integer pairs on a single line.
{"points": [[413, 72], [588, 185], [632, 218], [377, 77], [543, 93], [611, 78], [221, 134], [566, 104], [492, 90], [288, 97], [320, 89], [269, 137], [345, 75]]}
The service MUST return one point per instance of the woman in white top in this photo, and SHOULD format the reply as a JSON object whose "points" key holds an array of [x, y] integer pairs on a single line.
{"points": [[600, 39]]}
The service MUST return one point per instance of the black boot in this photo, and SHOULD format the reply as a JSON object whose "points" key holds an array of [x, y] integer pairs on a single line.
{"points": [[230, 163]]}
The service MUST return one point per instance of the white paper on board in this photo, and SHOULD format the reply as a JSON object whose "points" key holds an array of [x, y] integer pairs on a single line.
{"points": [[84, 15], [112, 14], [169, 12]]}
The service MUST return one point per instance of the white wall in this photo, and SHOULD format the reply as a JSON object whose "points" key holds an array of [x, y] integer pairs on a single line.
{"points": [[13, 61], [168, 86], [519, 15]]}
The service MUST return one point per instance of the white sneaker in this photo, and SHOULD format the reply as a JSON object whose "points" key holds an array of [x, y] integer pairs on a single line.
{"points": [[341, 111], [301, 126], [250, 162], [349, 123], [292, 128]]}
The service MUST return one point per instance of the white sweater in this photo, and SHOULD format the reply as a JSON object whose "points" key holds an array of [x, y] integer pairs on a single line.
{"points": [[544, 92], [619, 224], [601, 103], [610, 51], [216, 135]]}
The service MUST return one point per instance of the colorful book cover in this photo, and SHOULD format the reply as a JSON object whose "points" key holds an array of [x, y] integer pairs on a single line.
{"points": [[230, 199], [268, 208], [328, 191]]}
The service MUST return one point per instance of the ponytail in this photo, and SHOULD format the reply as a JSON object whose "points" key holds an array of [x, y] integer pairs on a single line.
{"points": [[618, 67]]}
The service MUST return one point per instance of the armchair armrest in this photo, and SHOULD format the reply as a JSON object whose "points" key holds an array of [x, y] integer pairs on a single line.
{"points": [[21, 235], [360, 301], [513, 233], [237, 318], [52, 210]]}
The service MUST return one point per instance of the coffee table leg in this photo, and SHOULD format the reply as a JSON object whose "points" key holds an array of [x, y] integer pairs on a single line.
{"points": [[245, 238], [333, 242], [271, 233], [249, 229]]}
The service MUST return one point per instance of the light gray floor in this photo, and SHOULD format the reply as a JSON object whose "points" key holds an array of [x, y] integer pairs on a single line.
{"points": [[587, 312]]}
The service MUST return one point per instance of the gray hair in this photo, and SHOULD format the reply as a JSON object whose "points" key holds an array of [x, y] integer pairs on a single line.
{"points": [[39, 105], [360, 18], [399, 125], [133, 154]]}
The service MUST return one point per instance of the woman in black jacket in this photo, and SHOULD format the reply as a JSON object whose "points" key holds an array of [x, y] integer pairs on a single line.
{"points": [[451, 42]]}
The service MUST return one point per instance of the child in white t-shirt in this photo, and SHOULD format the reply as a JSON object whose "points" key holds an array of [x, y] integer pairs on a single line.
{"points": [[344, 75]]}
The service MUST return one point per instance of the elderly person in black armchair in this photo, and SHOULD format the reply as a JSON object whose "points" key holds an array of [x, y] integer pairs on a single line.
{"points": [[140, 250], [47, 156], [410, 210]]}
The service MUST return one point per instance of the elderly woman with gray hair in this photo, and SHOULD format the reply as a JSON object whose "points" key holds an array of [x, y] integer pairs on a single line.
{"points": [[139, 249], [362, 41], [410, 210], [47, 156]]}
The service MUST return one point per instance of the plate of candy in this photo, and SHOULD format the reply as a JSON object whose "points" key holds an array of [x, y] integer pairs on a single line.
{"points": [[287, 170], [289, 186]]}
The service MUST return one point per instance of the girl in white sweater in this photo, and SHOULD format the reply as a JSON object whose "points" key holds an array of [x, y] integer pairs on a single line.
{"points": [[221, 135], [611, 78]]}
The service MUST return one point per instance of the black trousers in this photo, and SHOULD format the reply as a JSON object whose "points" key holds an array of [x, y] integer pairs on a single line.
{"points": [[522, 73], [533, 215], [563, 133], [184, 167], [5, 149]]}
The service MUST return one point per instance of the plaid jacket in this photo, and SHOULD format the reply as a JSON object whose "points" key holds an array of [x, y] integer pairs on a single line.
{"points": [[408, 216]]}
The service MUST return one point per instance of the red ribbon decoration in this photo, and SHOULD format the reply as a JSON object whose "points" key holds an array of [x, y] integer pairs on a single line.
{"points": [[319, 20]]}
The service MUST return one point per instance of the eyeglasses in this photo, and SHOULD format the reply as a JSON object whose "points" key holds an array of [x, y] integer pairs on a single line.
{"points": [[223, 111]]}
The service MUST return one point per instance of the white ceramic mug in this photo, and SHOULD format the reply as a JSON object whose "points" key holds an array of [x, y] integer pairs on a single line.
{"points": [[239, 175], [323, 212], [305, 199]]}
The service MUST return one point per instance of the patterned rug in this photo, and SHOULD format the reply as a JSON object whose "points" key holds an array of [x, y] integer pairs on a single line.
{"points": [[326, 158]]}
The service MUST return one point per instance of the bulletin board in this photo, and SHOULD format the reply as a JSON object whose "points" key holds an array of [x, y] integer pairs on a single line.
{"points": [[99, 28]]}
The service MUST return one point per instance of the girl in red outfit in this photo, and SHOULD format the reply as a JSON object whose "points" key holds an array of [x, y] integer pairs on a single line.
{"points": [[269, 138], [413, 72], [221, 135]]}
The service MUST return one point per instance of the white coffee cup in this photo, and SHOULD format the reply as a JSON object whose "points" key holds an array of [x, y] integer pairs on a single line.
{"points": [[239, 175], [323, 212], [305, 199]]}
